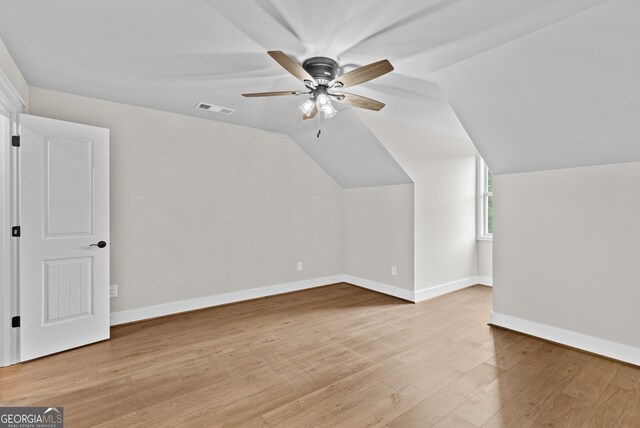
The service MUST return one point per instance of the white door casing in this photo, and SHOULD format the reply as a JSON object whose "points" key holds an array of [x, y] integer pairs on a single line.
{"points": [[6, 303], [64, 208]]}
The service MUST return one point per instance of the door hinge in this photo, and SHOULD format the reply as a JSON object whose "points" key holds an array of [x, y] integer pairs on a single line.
{"points": [[15, 140], [15, 322], [15, 231]]}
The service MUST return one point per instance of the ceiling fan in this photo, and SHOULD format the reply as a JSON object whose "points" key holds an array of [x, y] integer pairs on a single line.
{"points": [[319, 76]]}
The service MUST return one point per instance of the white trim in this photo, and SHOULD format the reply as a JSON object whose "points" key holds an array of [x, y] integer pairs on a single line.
{"points": [[390, 290], [5, 244], [603, 347], [481, 209], [449, 287], [122, 317], [11, 103], [10, 99], [485, 280], [147, 312], [418, 295]]}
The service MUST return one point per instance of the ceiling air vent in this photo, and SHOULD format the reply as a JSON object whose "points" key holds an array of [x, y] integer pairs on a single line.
{"points": [[214, 108]]}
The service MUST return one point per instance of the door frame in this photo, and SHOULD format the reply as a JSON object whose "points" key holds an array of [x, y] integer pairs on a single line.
{"points": [[11, 105]]}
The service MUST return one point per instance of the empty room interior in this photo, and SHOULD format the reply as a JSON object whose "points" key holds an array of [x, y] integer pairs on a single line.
{"points": [[280, 213]]}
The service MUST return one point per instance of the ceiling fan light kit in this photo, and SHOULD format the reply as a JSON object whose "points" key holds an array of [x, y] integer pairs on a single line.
{"points": [[322, 101], [319, 76], [307, 107]]}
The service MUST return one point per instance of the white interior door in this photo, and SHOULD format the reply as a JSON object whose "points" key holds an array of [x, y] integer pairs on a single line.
{"points": [[64, 215]]}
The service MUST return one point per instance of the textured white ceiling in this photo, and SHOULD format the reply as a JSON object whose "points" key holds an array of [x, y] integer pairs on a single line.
{"points": [[169, 55]]}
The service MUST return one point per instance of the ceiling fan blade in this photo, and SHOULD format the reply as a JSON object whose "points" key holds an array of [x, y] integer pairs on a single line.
{"points": [[312, 114], [271, 94], [363, 74], [359, 101], [291, 66]]}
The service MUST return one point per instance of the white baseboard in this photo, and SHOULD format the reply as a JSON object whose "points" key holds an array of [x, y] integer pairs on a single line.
{"points": [[603, 347], [123, 317], [147, 312], [449, 287], [390, 290], [485, 280], [420, 295]]}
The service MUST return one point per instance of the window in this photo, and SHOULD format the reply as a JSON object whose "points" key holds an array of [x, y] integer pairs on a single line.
{"points": [[485, 202]]}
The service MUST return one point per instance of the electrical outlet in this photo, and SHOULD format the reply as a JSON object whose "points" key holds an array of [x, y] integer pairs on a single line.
{"points": [[299, 266], [113, 290], [394, 270]]}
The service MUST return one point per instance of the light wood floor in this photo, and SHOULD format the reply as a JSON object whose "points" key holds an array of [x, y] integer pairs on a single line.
{"points": [[337, 356]]}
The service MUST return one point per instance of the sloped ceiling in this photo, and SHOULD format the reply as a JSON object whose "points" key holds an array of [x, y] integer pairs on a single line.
{"points": [[567, 95], [169, 55]]}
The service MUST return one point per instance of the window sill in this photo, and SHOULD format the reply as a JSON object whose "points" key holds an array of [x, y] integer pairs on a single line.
{"points": [[488, 238]]}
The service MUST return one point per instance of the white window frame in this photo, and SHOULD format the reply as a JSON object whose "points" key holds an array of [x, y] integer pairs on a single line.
{"points": [[483, 202]]}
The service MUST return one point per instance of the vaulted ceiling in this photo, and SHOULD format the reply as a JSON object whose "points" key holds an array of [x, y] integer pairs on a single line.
{"points": [[169, 55], [567, 95]]}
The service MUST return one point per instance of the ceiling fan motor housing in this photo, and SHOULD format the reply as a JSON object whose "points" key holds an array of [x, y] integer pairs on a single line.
{"points": [[321, 68]]}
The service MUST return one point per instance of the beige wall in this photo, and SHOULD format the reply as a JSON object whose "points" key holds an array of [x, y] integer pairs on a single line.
{"points": [[567, 249], [200, 207], [443, 169], [445, 221], [485, 259], [378, 234]]}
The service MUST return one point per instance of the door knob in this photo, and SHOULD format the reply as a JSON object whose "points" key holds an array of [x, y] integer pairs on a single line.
{"points": [[100, 244]]}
